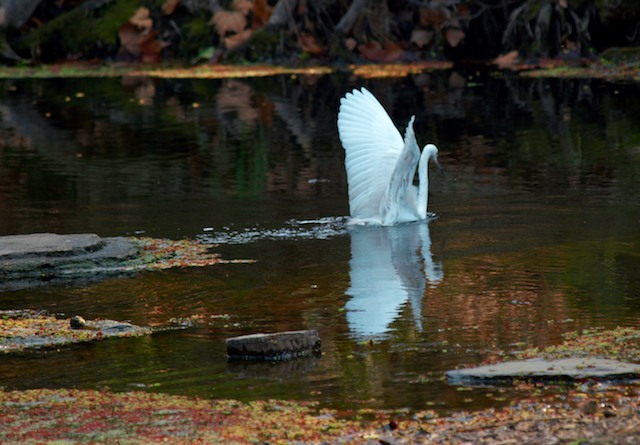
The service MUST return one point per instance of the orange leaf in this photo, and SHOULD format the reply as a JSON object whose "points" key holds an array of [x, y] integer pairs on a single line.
{"points": [[351, 43], [374, 52], [261, 13], [151, 48], [506, 60], [309, 44], [229, 21], [454, 36], [432, 17], [170, 6], [234, 41], [141, 19], [130, 38]]}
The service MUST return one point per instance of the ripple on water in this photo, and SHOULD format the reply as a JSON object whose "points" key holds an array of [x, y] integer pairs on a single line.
{"points": [[322, 228]]}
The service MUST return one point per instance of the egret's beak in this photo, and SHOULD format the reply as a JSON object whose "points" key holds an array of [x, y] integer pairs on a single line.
{"points": [[435, 160]]}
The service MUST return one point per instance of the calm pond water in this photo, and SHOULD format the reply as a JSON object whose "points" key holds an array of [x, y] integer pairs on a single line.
{"points": [[537, 230]]}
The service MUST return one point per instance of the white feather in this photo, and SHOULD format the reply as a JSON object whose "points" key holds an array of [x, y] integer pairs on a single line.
{"points": [[380, 164]]}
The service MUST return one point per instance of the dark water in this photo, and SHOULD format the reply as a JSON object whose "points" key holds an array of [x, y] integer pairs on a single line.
{"points": [[538, 229]]}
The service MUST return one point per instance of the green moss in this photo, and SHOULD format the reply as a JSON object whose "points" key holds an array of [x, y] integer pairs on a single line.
{"points": [[80, 31], [197, 35], [620, 56]]}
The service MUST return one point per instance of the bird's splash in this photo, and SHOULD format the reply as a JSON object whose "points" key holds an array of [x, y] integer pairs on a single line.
{"points": [[322, 228]]}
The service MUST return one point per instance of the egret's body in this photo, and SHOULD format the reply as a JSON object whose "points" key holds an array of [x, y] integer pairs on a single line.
{"points": [[381, 165]]}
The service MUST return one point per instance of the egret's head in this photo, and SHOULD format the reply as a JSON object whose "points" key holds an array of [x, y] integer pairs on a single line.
{"points": [[431, 151]]}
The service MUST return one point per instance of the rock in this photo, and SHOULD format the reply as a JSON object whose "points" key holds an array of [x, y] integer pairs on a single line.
{"points": [[277, 346], [20, 246], [538, 369], [26, 260], [77, 322]]}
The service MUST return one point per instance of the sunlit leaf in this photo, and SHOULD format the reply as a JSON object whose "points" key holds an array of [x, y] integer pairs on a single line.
{"points": [[142, 19]]}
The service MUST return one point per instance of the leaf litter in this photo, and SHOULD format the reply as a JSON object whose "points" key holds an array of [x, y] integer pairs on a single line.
{"points": [[587, 412]]}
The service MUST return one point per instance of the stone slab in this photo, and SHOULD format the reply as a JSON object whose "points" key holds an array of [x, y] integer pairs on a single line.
{"points": [[17, 246], [29, 260], [576, 368], [274, 346]]}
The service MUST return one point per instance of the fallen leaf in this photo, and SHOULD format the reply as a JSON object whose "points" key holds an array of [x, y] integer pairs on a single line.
{"points": [[229, 21], [421, 37], [142, 19], [243, 6], [432, 17], [454, 36], [235, 40], [261, 13], [506, 60], [129, 37], [151, 48], [351, 43], [309, 44], [375, 52], [170, 6]]}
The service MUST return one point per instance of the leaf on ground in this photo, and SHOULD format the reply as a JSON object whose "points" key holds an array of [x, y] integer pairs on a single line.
{"points": [[398, 69], [376, 52], [454, 36], [507, 60], [170, 6], [242, 6], [234, 41], [421, 37], [229, 21], [20, 330], [433, 17], [310, 45], [88, 416], [130, 38], [141, 19], [261, 13]]}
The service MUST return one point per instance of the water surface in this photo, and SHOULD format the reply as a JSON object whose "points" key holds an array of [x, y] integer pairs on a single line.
{"points": [[537, 230]]}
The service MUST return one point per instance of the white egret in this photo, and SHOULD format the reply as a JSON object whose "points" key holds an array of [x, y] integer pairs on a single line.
{"points": [[381, 165]]}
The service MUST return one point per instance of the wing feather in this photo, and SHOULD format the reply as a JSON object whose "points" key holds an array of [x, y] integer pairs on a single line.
{"points": [[394, 200], [372, 145]]}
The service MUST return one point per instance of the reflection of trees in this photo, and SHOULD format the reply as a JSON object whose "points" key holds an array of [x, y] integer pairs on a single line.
{"points": [[142, 137]]}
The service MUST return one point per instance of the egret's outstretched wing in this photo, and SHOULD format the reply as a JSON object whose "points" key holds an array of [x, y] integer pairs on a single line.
{"points": [[372, 146], [395, 197]]}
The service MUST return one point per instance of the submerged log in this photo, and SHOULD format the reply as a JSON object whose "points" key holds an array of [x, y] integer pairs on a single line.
{"points": [[273, 347]]}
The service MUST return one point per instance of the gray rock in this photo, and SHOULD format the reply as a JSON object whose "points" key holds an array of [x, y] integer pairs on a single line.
{"points": [[26, 260], [47, 244], [277, 346], [538, 369]]}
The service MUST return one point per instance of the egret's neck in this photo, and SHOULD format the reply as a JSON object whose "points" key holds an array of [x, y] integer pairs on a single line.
{"points": [[423, 184]]}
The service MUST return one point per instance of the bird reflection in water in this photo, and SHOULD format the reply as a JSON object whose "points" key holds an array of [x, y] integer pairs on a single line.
{"points": [[389, 267]]}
